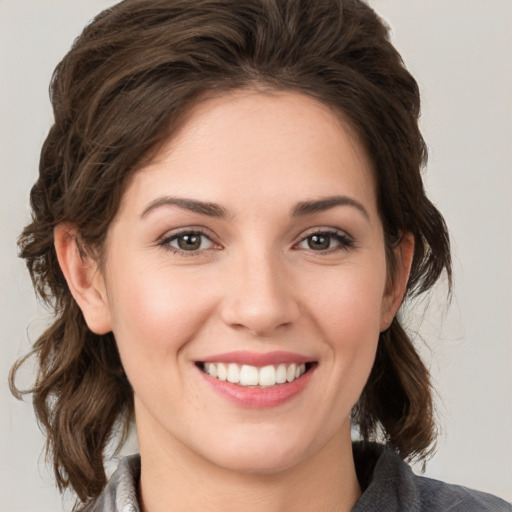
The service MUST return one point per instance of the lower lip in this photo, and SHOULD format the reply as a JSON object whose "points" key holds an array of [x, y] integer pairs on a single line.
{"points": [[264, 398]]}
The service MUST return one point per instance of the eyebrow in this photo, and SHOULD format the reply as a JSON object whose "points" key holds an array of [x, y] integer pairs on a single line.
{"points": [[215, 210], [326, 203], [201, 207]]}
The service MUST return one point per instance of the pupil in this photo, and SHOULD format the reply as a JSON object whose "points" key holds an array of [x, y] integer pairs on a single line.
{"points": [[319, 242], [189, 242]]}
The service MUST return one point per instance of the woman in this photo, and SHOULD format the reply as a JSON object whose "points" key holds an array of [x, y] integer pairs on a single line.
{"points": [[228, 216]]}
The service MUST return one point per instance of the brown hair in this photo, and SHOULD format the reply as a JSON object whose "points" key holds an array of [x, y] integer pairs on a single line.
{"points": [[120, 92]]}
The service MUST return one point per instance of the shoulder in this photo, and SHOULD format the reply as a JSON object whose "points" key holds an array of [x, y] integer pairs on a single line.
{"points": [[391, 485], [120, 493], [437, 495]]}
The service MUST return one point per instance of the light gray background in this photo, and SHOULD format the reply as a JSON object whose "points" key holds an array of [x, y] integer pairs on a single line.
{"points": [[460, 51]]}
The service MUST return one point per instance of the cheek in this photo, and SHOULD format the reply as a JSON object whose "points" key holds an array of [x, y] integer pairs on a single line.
{"points": [[348, 302], [351, 325], [348, 314], [155, 314]]}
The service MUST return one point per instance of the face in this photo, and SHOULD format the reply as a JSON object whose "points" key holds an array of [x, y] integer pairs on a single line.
{"points": [[245, 283]]}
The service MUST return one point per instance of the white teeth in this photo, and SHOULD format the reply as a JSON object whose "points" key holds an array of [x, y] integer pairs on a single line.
{"points": [[290, 373], [247, 375], [281, 374], [211, 369], [222, 372], [233, 373], [267, 376]]}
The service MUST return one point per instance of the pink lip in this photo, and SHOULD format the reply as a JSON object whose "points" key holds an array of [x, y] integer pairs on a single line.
{"points": [[259, 360], [263, 398]]}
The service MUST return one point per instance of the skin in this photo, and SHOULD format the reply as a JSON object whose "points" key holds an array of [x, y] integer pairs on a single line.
{"points": [[255, 283]]}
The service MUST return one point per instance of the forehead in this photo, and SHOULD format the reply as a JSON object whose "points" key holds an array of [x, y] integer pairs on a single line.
{"points": [[271, 146]]}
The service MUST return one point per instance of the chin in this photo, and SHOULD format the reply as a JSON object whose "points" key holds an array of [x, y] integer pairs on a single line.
{"points": [[264, 452], [259, 461]]}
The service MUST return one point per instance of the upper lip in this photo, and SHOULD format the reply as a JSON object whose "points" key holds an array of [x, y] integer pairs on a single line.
{"points": [[257, 359]]}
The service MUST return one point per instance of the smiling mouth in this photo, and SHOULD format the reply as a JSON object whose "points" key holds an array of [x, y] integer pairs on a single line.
{"points": [[252, 376]]}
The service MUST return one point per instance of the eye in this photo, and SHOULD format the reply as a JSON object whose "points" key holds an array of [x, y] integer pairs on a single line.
{"points": [[187, 242], [323, 241]]}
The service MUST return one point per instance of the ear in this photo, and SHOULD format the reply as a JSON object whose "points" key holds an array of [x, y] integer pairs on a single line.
{"points": [[84, 279], [397, 283]]}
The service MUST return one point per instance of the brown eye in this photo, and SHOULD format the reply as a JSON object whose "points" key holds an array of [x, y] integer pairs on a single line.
{"points": [[319, 242], [326, 241], [188, 242]]}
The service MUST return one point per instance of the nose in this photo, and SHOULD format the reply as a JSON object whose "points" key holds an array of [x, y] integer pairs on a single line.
{"points": [[259, 297]]}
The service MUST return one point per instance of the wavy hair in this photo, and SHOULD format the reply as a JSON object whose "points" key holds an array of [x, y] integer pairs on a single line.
{"points": [[121, 91]]}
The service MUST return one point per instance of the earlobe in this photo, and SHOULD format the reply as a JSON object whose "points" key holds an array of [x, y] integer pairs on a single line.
{"points": [[83, 277], [397, 286]]}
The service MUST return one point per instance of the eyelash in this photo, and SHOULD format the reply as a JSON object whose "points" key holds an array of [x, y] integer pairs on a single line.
{"points": [[344, 242], [165, 243]]}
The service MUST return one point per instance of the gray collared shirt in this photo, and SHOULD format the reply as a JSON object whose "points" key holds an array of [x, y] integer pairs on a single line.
{"points": [[389, 486]]}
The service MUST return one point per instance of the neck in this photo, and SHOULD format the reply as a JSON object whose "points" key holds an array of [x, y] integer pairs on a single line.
{"points": [[176, 478]]}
